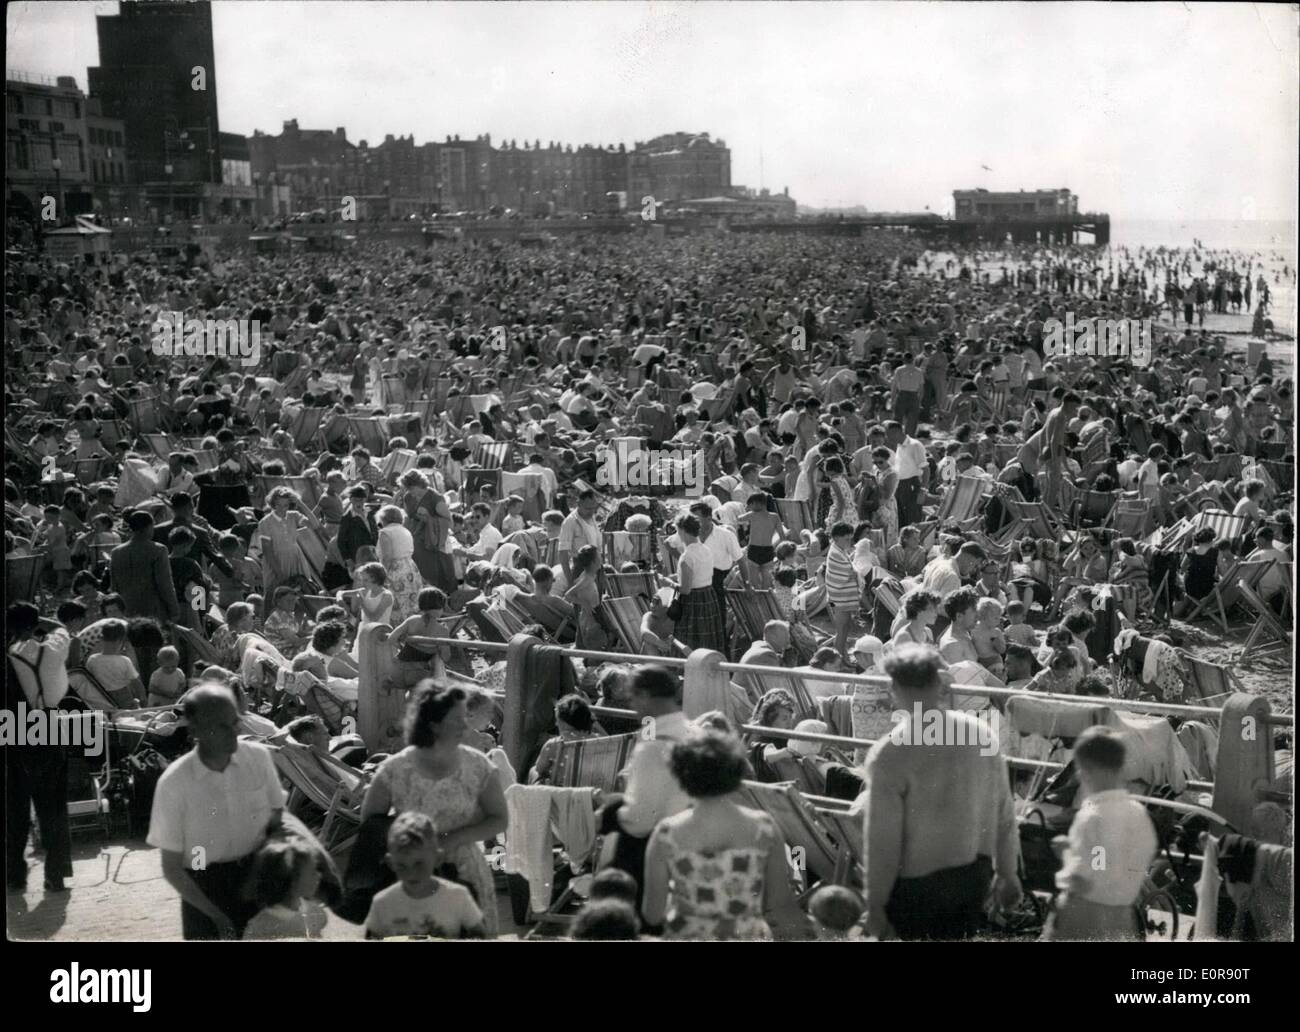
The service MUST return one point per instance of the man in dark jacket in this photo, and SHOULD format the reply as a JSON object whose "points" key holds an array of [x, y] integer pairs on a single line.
{"points": [[142, 575]]}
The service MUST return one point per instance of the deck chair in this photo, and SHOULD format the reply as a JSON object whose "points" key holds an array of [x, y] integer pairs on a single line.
{"points": [[160, 444], [796, 515], [1094, 456], [305, 426], [143, 414], [624, 615], [491, 456], [1131, 517], [504, 620], [753, 609], [196, 647], [593, 762], [328, 784], [1224, 525], [624, 585], [307, 488], [1227, 592], [1267, 625], [290, 460], [86, 470], [1208, 684], [845, 830], [397, 462], [812, 850], [1092, 508], [1033, 517], [371, 432], [23, 577], [962, 502]]}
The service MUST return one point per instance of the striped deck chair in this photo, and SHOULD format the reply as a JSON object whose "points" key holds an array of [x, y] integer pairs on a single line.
{"points": [[1034, 517], [328, 784], [370, 432], [845, 829], [305, 426], [457, 410], [1268, 632], [811, 849], [593, 762], [753, 609], [1094, 455], [1092, 508], [23, 577], [796, 515], [1227, 592], [491, 456], [397, 462], [962, 501], [624, 615], [622, 546], [503, 620], [160, 444], [1224, 525], [143, 414], [627, 585], [1131, 517]]}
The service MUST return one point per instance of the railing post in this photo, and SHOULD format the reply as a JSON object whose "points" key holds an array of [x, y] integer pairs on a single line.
{"points": [[1245, 760], [381, 695], [706, 687], [519, 693]]}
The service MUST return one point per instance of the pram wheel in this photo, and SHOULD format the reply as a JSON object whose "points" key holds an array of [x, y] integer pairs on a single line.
{"points": [[1163, 925]]}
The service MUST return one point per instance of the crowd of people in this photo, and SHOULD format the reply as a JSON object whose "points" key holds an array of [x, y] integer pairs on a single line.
{"points": [[892, 463]]}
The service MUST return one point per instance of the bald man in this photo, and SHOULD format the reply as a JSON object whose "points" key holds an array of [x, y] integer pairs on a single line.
{"points": [[213, 809]]}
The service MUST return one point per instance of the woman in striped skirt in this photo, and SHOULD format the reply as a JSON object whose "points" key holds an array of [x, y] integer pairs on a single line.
{"points": [[701, 624]]}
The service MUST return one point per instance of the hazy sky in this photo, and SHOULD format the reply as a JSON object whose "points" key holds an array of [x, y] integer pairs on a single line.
{"points": [[1143, 110]]}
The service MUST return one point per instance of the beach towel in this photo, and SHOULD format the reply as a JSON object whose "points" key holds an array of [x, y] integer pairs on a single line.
{"points": [[536, 815]]}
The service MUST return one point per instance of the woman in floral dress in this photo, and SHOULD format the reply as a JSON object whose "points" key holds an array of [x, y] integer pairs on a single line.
{"points": [[718, 870], [887, 479], [453, 784], [397, 556]]}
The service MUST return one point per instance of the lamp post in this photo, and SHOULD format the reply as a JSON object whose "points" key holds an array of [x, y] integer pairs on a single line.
{"points": [[171, 201], [57, 165]]}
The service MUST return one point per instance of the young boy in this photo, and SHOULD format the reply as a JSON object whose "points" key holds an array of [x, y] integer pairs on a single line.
{"points": [[513, 521], [1017, 631], [420, 903], [168, 682], [1110, 846], [112, 668], [764, 528]]}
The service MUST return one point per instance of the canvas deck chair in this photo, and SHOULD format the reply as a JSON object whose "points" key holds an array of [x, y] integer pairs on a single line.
{"points": [[427, 409], [1227, 592], [1092, 508], [1269, 631], [624, 615], [491, 456], [1208, 684], [753, 609], [292, 461], [622, 546], [328, 784], [195, 648], [796, 515], [143, 414], [593, 762], [805, 837], [628, 585], [86, 470], [307, 488], [305, 426], [962, 502], [1131, 517], [23, 577], [160, 445], [1094, 456], [371, 432], [503, 620], [1033, 517], [397, 462], [1221, 467], [1224, 525], [845, 830], [112, 431]]}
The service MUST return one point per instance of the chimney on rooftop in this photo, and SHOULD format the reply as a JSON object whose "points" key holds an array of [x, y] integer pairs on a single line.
{"points": [[66, 82]]}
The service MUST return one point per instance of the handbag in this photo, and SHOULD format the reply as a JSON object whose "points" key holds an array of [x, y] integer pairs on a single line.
{"points": [[675, 608]]}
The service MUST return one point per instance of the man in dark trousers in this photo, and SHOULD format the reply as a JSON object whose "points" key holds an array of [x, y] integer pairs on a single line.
{"points": [[36, 776]]}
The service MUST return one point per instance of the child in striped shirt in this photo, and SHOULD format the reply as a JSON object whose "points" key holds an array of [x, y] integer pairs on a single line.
{"points": [[845, 594]]}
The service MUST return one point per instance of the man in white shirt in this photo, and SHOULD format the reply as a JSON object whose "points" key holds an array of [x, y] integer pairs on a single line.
{"points": [[37, 774], [578, 529], [489, 538], [550, 483], [652, 792], [912, 465], [722, 545], [212, 811]]}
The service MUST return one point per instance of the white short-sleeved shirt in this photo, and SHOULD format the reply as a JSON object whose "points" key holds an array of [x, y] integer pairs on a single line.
{"points": [[223, 813], [447, 913], [723, 547]]}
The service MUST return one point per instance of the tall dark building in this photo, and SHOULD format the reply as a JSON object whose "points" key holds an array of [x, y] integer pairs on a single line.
{"points": [[146, 76]]}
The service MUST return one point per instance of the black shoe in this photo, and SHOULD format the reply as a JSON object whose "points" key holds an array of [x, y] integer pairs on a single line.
{"points": [[55, 885]]}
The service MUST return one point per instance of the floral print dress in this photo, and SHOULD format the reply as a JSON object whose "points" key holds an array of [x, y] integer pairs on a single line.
{"points": [[718, 894], [452, 802]]}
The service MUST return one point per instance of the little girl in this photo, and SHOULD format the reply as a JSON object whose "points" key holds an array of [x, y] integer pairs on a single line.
{"points": [[374, 602], [513, 521], [283, 628], [1130, 568], [764, 528], [97, 542], [1029, 576], [168, 681], [285, 878], [1200, 569], [990, 644]]}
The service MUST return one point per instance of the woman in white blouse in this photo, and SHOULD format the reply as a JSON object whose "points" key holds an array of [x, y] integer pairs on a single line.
{"points": [[701, 624], [396, 552]]}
